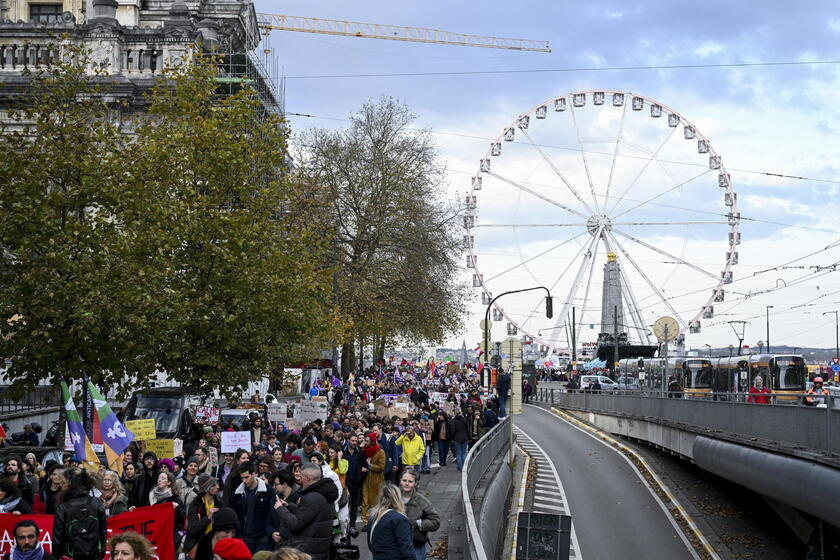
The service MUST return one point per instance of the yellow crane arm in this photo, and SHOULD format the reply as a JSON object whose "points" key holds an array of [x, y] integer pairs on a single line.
{"points": [[394, 33]]}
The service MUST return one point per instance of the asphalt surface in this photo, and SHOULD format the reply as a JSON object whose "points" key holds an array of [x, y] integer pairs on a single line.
{"points": [[614, 513]]}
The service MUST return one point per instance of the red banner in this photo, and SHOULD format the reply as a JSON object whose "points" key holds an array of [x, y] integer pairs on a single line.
{"points": [[156, 523]]}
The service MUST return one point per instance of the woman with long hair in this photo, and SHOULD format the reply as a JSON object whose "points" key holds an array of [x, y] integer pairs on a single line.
{"points": [[112, 493], [165, 491], [52, 487], [420, 512], [128, 480], [389, 530]]}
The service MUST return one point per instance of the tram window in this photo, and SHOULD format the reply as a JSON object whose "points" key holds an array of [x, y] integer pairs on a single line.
{"points": [[791, 374]]}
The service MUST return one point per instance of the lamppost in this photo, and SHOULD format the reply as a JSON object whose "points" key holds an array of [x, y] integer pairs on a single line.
{"points": [[836, 334], [731, 348], [768, 308], [709, 346], [549, 313]]}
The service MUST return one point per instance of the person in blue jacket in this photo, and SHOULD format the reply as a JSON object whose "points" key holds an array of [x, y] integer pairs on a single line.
{"points": [[389, 532]]}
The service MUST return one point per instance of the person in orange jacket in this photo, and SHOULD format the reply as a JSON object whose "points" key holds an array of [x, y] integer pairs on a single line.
{"points": [[820, 392]]}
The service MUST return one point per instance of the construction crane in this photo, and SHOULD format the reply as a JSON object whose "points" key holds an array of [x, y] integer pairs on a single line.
{"points": [[268, 22]]}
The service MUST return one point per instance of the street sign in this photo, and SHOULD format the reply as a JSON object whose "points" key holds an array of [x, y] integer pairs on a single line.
{"points": [[835, 368]]}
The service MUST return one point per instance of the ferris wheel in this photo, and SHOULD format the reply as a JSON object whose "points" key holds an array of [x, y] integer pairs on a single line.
{"points": [[593, 177]]}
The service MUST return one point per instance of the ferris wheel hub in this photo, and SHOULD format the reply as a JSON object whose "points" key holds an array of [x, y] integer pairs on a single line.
{"points": [[598, 222]]}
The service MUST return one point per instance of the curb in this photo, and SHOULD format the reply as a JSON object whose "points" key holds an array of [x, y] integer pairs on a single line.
{"points": [[520, 504], [698, 540]]}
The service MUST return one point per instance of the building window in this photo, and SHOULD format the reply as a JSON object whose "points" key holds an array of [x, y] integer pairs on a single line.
{"points": [[44, 13]]}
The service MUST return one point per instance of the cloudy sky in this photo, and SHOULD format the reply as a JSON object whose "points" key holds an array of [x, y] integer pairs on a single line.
{"points": [[760, 119]]}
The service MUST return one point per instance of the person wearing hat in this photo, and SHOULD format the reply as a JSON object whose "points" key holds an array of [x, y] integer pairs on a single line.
{"points": [[187, 482], [205, 501], [231, 549], [145, 480], [203, 535]]}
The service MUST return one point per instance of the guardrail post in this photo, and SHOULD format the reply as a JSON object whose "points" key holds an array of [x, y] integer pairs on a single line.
{"points": [[552, 396]]}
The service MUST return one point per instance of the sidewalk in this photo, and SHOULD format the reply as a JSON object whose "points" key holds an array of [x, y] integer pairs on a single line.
{"points": [[443, 488]]}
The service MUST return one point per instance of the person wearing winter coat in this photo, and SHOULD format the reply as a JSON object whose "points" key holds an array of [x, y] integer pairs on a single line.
{"points": [[374, 469], [80, 527], [460, 439], [206, 502], [389, 532], [112, 494], [420, 511], [442, 433], [252, 501], [166, 491], [145, 480], [413, 449], [310, 521]]}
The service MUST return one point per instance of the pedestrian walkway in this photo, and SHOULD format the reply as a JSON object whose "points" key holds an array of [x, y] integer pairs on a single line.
{"points": [[443, 488]]}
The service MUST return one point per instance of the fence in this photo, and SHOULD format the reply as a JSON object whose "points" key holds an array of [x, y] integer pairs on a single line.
{"points": [[480, 458], [787, 425], [39, 399]]}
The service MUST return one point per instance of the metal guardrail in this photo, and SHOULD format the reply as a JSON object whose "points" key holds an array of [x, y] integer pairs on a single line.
{"points": [[479, 459], [787, 424]]}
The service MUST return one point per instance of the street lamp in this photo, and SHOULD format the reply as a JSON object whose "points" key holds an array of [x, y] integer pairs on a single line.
{"points": [[836, 334], [731, 348], [549, 312], [709, 346], [767, 310]]}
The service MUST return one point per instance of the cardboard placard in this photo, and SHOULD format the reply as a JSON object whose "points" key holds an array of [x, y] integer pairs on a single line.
{"points": [[309, 411], [207, 415], [293, 424], [231, 441], [276, 412], [142, 429], [213, 457], [161, 447]]}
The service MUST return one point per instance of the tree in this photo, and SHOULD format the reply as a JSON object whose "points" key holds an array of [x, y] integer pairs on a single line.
{"points": [[396, 238], [180, 248]]}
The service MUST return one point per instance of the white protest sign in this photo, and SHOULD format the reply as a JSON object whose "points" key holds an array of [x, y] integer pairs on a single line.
{"points": [[276, 412], [231, 441], [309, 411]]}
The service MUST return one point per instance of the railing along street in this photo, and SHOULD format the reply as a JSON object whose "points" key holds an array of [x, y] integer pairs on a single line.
{"points": [[481, 456]]}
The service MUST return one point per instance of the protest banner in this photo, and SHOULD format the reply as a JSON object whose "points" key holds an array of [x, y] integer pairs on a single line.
{"points": [[207, 415], [309, 411], [142, 429], [156, 523], [213, 456], [276, 412], [231, 441], [161, 447], [293, 424]]}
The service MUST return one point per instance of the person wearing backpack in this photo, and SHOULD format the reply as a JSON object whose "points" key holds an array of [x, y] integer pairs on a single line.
{"points": [[80, 527]]}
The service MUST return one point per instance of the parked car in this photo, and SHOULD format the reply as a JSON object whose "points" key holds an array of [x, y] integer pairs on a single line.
{"points": [[607, 384]]}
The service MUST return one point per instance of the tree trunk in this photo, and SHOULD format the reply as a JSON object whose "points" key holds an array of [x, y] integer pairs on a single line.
{"points": [[348, 358], [361, 354], [378, 348]]}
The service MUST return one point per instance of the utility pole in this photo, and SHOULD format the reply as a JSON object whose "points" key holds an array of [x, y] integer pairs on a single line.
{"points": [[615, 339], [836, 334], [574, 346], [767, 309]]}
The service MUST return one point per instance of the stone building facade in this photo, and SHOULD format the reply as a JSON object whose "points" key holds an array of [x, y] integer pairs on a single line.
{"points": [[131, 41]]}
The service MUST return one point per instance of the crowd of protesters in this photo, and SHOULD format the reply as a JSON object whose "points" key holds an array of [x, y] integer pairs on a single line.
{"points": [[294, 493]]}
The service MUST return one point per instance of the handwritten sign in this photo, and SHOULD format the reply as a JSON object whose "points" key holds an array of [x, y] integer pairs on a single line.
{"points": [[161, 447], [231, 441], [276, 412], [309, 411], [207, 415], [213, 456], [142, 429]]}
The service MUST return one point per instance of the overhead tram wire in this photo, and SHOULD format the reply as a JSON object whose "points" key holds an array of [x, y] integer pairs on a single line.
{"points": [[595, 152], [569, 70]]}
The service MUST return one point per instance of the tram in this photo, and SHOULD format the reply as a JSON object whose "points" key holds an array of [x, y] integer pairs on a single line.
{"points": [[718, 378]]}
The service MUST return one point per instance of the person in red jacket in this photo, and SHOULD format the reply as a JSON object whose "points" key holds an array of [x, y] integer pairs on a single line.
{"points": [[758, 392]]}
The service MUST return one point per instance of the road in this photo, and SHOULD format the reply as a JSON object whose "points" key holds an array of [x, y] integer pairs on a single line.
{"points": [[614, 513]]}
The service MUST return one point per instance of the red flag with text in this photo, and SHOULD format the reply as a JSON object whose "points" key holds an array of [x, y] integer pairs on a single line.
{"points": [[156, 523]]}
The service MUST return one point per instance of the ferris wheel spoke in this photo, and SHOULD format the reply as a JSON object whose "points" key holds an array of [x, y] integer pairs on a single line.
{"points": [[557, 171], [587, 260], [538, 195], [650, 283], [585, 161], [653, 157], [523, 263], [666, 254], [632, 303], [615, 155], [557, 281], [651, 199], [707, 223], [583, 309], [530, 225]]}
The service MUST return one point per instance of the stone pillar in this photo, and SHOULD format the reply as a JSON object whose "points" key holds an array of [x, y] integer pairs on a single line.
{"points": [[104, 11]]}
